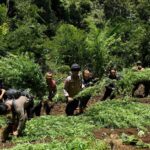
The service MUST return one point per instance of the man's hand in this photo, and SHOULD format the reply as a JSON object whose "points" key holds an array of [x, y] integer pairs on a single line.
{"points": [[70, 99], [15, 133]]}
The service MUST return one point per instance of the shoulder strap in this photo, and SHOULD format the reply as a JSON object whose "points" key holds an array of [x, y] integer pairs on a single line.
{"points": [[13, 106]]}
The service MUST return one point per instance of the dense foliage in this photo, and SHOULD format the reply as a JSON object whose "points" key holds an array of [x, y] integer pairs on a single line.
{"points": [[93, 33], [119, 114], [76, 144], [92, 90], [2, 121], [54, 127], [41, 35], [130, 78], [67, 132], [76, 132], [22, 73], [132, 140]]}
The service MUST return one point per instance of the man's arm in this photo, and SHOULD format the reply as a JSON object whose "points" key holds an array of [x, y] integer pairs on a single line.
{"points": [[66, 87], [55, 89], [19, 113], [21, 124], [2, 94]]}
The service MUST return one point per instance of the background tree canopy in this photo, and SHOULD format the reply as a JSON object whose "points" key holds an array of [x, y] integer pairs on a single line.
{"points": [[93, 33]]}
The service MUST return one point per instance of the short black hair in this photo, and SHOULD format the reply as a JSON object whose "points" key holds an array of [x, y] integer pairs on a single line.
{"points": [[113, 68], [75, 67], [139, 62]]}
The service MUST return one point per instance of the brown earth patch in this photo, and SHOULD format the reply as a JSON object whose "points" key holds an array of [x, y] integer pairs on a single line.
{"points": [[94, 99], [7, 144], [145, 100], [102, 132], [112, 136], [109, 135], [146, 138], [58, 109]]}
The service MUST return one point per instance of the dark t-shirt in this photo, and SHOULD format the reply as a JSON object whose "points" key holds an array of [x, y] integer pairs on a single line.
{"points": [[1, 84], [87, 82]]}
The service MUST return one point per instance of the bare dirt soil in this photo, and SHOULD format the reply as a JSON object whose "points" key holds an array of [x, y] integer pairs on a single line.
{"points": [[145, 100], [59, 108], [112, 136]]}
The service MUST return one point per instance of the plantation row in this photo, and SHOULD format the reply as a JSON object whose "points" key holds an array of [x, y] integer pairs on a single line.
{"points": [[66, 133], [77, 132]]}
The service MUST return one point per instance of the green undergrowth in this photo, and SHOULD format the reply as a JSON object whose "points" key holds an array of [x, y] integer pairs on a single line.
{"points": [[119, 114], [20, 72], [76, 132], [133, 140], [59, 97], [130, 78], [92, 90], [73, 144], [59, 133], [123, 87], [56, 127], [2, 121]]}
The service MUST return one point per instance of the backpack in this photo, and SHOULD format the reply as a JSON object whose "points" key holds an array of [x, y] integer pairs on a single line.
{"points": [[12, 94]]}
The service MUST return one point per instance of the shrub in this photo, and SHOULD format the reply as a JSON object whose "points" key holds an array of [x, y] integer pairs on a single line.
{"points": [[69, 44], [2, 13], [73, 144], [20, 72], [92, 90], [119, 114], [56, 127], [130, 78], [2, 121]]}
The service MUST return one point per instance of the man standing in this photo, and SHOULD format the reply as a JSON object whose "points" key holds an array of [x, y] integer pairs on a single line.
{"points": [[141, 89], [51, 85], [52, 89], [73, 85], [113, 76], [138, 66], [87, 80]]}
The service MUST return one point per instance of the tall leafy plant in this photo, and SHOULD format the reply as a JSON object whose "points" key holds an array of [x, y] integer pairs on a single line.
{"points": [[22, 73], [2, 13], [99, 42], [69, 44]]}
